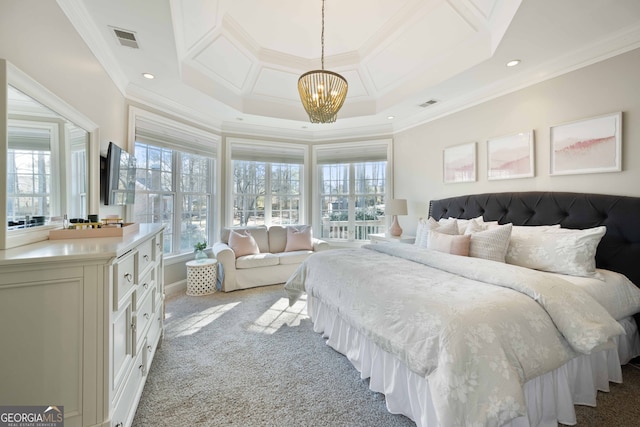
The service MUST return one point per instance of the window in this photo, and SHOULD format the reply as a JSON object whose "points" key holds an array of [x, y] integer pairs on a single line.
{"points": [[352, 186], [267, 183], [175, 184], [30, 186]]}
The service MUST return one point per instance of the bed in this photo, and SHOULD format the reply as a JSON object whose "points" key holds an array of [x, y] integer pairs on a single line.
{"points": [[454, 340]]}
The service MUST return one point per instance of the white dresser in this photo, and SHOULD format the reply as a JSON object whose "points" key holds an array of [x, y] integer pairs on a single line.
{"points": [[80, 321]]}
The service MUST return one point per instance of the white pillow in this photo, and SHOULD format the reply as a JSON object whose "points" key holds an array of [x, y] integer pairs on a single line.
{"points": [[561, 250], [419, 228], [450, 227], [462, 223], [534, 228], [489, 243]]}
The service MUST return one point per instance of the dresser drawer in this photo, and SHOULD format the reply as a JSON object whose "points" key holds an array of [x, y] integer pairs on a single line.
{"points": [[124, 407], [124, 279], [153, 339], [121, 348], [145, 285], [146, 255], [143, 317]]}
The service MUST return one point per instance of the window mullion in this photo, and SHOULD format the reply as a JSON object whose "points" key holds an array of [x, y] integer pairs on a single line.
{"points": [[177, 204], [268, 191], [351, 226]]}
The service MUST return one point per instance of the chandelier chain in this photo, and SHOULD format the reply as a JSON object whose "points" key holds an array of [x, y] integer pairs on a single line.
{"points": [[322, 92], [322, 37]]}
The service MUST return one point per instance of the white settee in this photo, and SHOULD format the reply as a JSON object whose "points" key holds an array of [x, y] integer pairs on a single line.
{"points": [[269, 267]]}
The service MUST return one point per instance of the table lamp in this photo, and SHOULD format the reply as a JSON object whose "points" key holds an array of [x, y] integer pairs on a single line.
{"points": [[396, 207]]}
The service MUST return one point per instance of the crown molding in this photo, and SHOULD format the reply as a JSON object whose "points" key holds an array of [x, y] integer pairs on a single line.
{"points": [[81, 20]]}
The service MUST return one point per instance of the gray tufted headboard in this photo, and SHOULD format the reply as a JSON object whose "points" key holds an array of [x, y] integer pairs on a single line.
{"points": [[619, 249]]}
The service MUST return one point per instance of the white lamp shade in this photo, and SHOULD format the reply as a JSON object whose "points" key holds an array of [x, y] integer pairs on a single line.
{"points": [[396, 207]]}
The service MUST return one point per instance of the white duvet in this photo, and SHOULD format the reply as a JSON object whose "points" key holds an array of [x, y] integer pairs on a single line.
{"points": [[477, 329]]}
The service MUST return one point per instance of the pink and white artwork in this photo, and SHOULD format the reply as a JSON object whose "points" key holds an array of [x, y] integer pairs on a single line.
{"points": [[587, 146], [460, 163], [510, 156]]}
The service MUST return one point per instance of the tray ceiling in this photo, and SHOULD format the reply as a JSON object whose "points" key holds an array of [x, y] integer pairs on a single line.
{"points": [[234, 64]]}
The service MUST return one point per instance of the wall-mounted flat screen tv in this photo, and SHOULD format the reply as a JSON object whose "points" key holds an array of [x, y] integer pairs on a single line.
{"points": [[118, 178]]}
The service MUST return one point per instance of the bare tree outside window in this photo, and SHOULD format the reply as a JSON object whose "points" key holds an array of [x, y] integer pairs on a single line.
{"points": [[266, 193], [175, 189]]}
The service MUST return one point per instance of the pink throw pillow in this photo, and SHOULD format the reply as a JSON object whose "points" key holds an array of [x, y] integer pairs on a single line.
{"points": [[243, 243], [454, 245], [299, 239]]}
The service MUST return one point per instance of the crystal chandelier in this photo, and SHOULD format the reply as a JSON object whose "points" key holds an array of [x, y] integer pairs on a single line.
{"points": [[322, 92]]}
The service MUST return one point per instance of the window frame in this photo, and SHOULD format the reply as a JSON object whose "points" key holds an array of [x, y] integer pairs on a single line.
{"points": [[56, 194], [205, 143], [261, 145], [349, 147]]}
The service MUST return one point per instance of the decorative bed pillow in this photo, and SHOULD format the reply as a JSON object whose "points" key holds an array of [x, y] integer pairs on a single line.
{"points": [[560, 250], [462, 223], [488, 242], [451, 244], [534, 228], [419, 228], [449, 227], [243, 243], [299, 239]]}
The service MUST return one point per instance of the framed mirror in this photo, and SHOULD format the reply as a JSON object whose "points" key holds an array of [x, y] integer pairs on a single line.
{"points": [[47, 148]]}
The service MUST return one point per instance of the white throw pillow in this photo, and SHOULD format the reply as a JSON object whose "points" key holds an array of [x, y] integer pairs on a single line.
{"points": [[450, 227], [560, 250], [419, 228], [489, 242], [534, 228], [462, 223]]}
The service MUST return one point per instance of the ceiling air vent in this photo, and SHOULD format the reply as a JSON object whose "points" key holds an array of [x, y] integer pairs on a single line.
{"points": [[126, 38], [428, 103]]}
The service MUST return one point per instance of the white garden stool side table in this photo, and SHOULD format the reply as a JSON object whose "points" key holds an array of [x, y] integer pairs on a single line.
{"points": [[202, 276]]}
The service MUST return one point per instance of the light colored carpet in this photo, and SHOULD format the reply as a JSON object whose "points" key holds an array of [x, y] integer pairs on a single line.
{"points": [[247, 359]]}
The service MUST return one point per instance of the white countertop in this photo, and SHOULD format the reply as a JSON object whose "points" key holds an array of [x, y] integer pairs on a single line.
{"points": [[77, 249]]}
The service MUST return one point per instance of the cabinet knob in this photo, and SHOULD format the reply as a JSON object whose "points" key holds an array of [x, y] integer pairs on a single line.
{"points": [[146, 316], [149, 348], [146, 286], [146, 257], [129, 277], [120, 425]]}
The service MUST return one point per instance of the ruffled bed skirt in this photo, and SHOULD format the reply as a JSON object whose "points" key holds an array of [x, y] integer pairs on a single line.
{"points": [[550, 397]]}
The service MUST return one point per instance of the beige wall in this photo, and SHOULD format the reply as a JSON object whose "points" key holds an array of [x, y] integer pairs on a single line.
{"points": [[37, 38], [606, 87]]}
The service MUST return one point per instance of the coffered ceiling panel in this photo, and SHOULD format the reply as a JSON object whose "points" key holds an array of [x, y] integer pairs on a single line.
{"points": [[198, 19], [276, 84], [236, 63], [225, 61], [422, 42]]}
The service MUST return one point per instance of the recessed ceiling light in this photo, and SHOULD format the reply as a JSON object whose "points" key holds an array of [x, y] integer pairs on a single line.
{"points": [[513, 63], [148, 76], [391, 117]]}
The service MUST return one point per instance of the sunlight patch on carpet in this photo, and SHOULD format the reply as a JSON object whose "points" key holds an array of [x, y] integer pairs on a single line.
{"points": [[280, 314], [197, 321]]}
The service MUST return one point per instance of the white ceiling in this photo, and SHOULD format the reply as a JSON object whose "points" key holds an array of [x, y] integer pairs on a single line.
{"points": [[233, 65]]}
